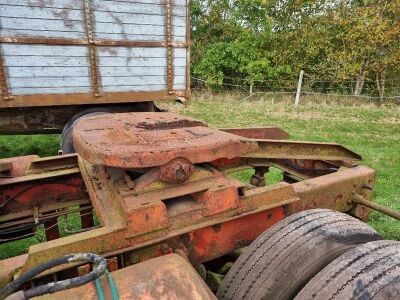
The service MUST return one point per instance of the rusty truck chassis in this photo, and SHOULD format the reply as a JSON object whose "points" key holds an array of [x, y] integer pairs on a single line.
{"points": [[191, 205]]}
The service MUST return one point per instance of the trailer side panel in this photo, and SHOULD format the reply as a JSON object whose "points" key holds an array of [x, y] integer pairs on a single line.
{"points": [[76, 52]]}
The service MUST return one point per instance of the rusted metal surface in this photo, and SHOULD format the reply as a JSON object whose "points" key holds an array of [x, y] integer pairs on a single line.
{"points": [[8, 267], [176, 171], [333, 191], [93, 70], [150, 186], [305, 169], [212, 242], [38, 191], [169, 277], [5, 166], [51, 229], [143, 140], [43, 213], [38, 177], [3, 80], [89, 98], [283, 149], [84, 42], [270, 133], [258, 178], [87, 220], [22, 196], [158, 185], [126, 227], [53, 163], [161, 222], [184, 226], [168, 33], [15, 121], [302, 160], [358, 199], [19, 165], [297, 168], [92, 49], [53, 119]]}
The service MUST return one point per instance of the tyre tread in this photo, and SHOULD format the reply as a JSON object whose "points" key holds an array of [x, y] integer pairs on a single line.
{"points": [[366, 265], [263, 259]]}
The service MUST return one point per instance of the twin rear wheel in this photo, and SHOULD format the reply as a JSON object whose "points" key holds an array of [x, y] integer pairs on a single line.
{"points": [[370, 271], [286, 260]]}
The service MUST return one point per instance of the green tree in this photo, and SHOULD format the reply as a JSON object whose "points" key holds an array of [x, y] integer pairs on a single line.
{"points": [[260, 40]]}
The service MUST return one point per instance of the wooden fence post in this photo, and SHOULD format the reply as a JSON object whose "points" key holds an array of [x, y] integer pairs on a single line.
{"points": [[297, 102]]}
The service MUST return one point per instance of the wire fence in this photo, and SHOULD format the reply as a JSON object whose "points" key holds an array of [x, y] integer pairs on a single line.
{"points": [[309, 87]]}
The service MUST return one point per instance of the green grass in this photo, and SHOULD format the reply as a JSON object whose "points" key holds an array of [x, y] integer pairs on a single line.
{"points": [[19, 145], [372, 131]]}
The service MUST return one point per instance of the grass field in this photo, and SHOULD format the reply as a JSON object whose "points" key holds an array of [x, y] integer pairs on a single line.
{"points": [[372, 131]]}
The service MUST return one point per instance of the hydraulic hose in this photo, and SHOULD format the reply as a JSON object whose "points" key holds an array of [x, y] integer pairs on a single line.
{"points": [[99, 268]]}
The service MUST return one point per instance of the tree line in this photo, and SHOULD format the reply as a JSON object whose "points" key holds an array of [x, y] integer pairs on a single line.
{"points": [[351, 44]]}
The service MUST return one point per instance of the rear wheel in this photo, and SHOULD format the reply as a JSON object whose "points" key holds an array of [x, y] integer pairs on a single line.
{"points": [[370, 271], [284, 258]]}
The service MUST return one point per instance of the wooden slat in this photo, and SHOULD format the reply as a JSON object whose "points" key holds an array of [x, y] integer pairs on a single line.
{"points": [[58, 25], [75, 81], [73, 4], [138, 52], [135, 8], [79, 62], [74, 29], [136, 19], [70, 15], [54, 72]]}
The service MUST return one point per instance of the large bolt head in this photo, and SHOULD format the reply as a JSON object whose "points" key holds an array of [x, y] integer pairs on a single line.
{"points": [[176, 171]]}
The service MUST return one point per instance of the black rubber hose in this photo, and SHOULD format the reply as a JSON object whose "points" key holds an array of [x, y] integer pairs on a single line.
{"points": [[99, 268]]}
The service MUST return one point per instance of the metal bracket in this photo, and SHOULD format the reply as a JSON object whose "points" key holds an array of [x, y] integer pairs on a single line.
{"points": [[359, 199], [3, 81], [170, 67], [92, 50]]}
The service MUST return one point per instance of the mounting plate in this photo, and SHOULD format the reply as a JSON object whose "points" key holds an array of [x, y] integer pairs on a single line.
{"points": [[149, 139]]}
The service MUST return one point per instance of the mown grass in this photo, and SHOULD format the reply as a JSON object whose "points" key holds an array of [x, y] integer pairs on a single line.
{"points": [[372, 131]]}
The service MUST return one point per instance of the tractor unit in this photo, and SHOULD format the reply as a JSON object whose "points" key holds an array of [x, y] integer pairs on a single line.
{"points": [[145, 204]]}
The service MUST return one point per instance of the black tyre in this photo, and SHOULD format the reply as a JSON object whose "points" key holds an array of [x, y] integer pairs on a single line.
{"points": [[280, 262], [66, 143], [370, 271]]}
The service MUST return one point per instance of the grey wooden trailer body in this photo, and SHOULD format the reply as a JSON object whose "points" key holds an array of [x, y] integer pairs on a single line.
{"points": [[59, 50]]}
